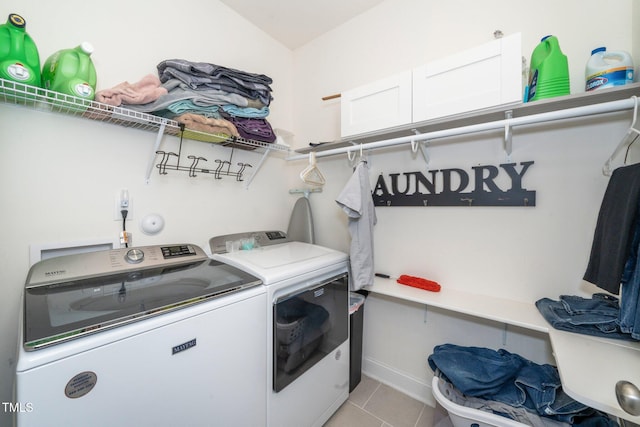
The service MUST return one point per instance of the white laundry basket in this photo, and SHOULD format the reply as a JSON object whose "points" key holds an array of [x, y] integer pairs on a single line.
{"points": [[461, 416]]}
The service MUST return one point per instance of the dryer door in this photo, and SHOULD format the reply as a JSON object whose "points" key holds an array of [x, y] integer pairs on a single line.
{"points": [[308, 325]]}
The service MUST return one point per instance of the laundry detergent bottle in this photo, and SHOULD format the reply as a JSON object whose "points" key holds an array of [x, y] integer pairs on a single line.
{"points": [[549, 70], [19, 58], [71, 72]]}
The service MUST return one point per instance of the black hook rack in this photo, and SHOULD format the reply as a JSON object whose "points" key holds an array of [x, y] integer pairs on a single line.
{"points": [[223, 167]]}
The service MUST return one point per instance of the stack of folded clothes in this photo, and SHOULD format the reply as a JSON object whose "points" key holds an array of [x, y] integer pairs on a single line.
{"points": [[204, 97]]}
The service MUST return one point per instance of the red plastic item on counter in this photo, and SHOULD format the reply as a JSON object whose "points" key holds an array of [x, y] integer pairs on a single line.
{"points": [[419, 282]]}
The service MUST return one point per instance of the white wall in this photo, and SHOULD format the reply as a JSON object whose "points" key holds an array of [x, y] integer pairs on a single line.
{"points": [[61, 174], [400, 34], [518, 253]]}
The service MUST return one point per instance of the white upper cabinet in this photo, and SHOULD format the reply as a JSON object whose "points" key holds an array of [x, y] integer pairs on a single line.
{"points": [[485, 76], [383, 104]]}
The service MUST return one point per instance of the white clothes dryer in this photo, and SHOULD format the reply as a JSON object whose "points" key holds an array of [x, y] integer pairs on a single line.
{"points": [[307, 322]]}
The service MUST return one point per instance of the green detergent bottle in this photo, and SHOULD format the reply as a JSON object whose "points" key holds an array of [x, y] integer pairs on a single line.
{"points": [[71, 72], [19, 58], [549, 70]]}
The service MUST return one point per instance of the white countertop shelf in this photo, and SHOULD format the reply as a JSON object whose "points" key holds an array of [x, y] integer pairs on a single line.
{"points": [[511, 312], [590, 367], [46, 100]]}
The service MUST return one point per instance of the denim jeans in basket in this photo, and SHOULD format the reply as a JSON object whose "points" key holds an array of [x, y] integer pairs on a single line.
{"points": [[508, 378]]}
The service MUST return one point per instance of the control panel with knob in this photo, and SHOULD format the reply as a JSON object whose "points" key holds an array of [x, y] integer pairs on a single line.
{"points": [[134, 256], [113, 261]]}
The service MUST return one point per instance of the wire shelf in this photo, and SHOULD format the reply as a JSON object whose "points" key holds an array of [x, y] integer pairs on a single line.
{"points": [[47, 100]]}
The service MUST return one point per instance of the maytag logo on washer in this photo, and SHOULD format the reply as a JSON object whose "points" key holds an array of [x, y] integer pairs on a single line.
{"points": [[81, 384], [182, 347], [54, 273]]}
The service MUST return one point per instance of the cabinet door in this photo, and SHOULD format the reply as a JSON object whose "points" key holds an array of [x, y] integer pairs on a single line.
{"points": [[383, 104], [485, 76]]}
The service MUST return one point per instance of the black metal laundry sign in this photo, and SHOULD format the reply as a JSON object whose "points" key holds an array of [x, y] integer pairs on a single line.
{"points": [[456, 187]]}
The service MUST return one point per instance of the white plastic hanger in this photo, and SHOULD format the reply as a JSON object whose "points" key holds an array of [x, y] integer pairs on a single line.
{"points": [[629, 138], [311, 174]]}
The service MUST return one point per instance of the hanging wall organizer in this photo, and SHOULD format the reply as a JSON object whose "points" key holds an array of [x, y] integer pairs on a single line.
{"points": [[459, 187], [171, 161]]}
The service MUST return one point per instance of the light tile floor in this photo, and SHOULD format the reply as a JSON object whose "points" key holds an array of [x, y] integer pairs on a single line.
{"points": [[372, 404]]}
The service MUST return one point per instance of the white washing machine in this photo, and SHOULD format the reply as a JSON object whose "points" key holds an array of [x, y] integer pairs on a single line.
{"points": [[307, 322], [150, 336]]}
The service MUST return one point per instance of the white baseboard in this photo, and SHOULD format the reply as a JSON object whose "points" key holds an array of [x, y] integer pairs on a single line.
{"points": [[401, 381]]}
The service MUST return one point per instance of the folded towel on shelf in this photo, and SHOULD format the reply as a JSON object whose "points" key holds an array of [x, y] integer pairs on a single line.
{"points": [[419, 282], [200, 74], [187, 106], [207, 124], [249, 112], [146, 90], [257, 129], [178, 91]]}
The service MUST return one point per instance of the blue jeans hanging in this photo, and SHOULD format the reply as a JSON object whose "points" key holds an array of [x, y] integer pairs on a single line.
{"points": [[629, 320]]}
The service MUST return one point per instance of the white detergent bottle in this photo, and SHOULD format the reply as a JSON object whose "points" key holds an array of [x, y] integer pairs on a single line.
{"points": [[607, 69]]}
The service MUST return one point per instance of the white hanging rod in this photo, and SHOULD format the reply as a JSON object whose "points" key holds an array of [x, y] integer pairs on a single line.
{"points": [[587, 110]]}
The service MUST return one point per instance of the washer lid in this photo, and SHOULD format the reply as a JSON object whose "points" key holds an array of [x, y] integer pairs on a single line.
{"points": [[282, 261]]}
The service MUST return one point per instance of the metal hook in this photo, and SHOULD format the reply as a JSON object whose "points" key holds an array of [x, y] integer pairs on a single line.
{"points": [[162, 166], [414, 146], [221, 164], [508, 115], [423, 147], [194, 164], [243, 166], [351, 156]]}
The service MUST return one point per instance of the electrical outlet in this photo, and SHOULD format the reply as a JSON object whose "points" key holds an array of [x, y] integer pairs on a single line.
{"points": [[122, 201]]}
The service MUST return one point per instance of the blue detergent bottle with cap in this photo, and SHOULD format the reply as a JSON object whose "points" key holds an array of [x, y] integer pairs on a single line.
{"points": [[19, 58], [549, 70]]}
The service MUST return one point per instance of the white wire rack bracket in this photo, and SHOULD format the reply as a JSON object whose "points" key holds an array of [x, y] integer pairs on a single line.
{"points": [[249, 180], [507, 124], [156, 146]]}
